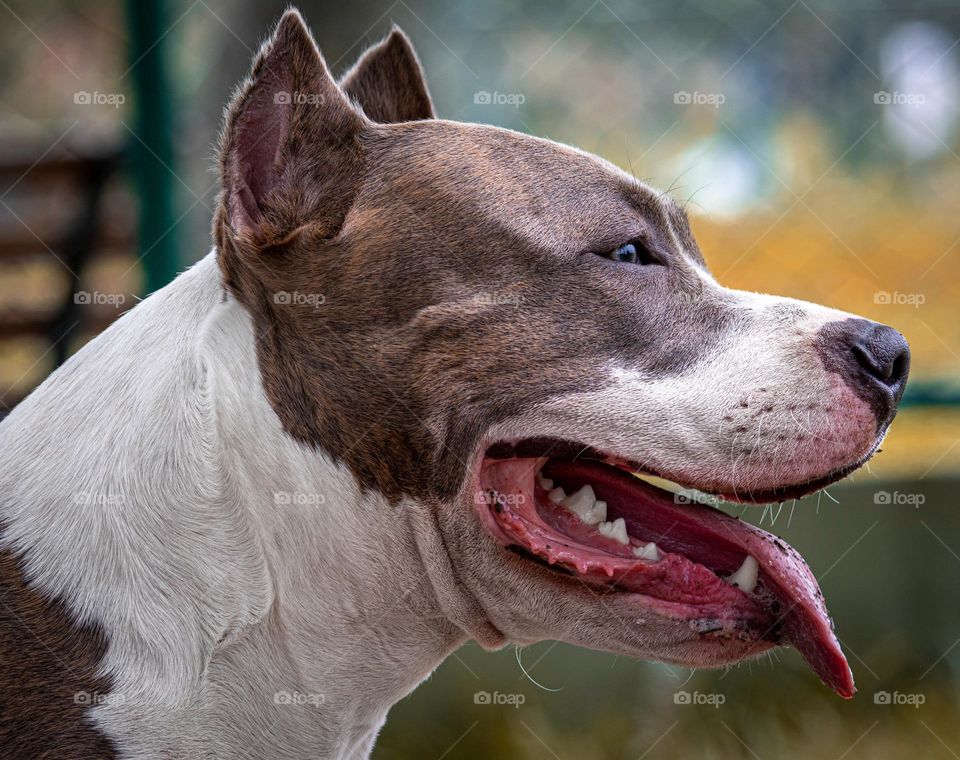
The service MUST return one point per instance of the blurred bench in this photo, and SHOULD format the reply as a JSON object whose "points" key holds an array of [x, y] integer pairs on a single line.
{"points": [[54, 220]]}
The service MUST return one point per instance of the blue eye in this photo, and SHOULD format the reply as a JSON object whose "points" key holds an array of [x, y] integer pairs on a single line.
{"points": [[633, 252], [626, 253]]}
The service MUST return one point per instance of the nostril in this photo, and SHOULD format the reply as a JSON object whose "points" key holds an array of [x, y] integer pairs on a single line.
{"points": [[883, 353], [872, 359], [864, 359], [901, 365]]}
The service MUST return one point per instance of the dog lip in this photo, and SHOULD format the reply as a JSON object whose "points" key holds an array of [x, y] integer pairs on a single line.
{"points": [[799, 490], [559, 448]]}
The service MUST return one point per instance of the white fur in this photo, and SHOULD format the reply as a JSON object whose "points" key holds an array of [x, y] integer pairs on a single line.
{"points": [[148, 482]]}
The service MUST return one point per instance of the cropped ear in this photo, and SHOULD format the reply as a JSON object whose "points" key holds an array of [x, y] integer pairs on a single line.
{"points": [[388, 82], [289, 150]]}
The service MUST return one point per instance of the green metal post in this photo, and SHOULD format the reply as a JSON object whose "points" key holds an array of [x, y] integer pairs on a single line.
{"points": [[152, 154]]}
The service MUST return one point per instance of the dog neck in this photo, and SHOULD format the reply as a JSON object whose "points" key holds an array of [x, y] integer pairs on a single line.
{"points": [[355, 623], [253, 598]]}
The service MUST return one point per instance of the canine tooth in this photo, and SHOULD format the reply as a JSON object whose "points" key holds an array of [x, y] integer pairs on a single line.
{"points": [[617, 530], [545, 483], [745, 578], [661, 483], [651, 552], [682, 494], [557, 495]]}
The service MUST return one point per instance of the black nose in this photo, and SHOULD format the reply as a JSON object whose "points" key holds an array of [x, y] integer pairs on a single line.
{"points": [[873, 359], [883, 353]]}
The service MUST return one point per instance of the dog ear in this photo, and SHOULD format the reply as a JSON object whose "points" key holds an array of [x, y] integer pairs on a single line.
{"points": [[290, 149], [388, 82]]}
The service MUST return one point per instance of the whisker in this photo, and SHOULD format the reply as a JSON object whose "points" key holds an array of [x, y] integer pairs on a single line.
{"points": [[810, 432]]}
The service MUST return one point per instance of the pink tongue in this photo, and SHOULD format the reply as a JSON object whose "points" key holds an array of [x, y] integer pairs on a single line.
{"points": [[719, 541]]}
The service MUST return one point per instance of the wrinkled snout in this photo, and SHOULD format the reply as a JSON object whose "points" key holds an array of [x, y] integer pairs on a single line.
{"points": [[872, 359]]}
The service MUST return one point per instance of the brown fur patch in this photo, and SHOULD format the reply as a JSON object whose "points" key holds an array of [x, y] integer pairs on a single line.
{"points": [[48, 668]]}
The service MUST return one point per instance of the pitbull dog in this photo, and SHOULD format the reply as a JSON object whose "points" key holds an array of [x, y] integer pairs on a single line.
{"points": [[400, 406]]}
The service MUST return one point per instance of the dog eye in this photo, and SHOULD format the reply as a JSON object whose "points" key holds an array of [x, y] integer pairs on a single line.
{"points": [[633, 252]]}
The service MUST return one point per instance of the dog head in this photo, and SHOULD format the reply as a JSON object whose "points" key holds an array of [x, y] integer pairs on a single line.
{"points": [[504, 328]]}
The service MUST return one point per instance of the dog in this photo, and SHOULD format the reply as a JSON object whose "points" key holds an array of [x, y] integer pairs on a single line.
{"points": [[402, 404]]}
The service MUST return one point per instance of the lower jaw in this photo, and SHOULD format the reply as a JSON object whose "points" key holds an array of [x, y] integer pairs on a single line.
{"points": [[718, 633]]}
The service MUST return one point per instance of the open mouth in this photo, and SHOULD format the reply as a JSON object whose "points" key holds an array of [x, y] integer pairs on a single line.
{"points": [[594, 517]]}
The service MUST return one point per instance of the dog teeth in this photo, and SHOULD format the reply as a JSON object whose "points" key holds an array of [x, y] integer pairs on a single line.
{"points": [[582, 500], [661, 483], [745, 578], [651, 552], [617, 530], [584, 505], [545, 483], [682, 494]]}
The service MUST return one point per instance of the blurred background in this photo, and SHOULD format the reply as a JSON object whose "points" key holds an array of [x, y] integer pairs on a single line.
{"points": [[817, 146]]}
